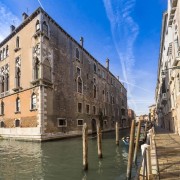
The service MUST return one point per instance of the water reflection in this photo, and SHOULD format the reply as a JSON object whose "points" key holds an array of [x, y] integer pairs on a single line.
{"points": [[63, 160]]}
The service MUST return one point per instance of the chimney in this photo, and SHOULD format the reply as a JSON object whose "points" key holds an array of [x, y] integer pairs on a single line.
{"points": [[12, 28], [82, 41], [107, 63], [24, 16], [118, 77]]}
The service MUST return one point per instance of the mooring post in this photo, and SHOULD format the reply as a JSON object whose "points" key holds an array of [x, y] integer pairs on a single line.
{"points": [[149, 168], [85, 146], [137, 141], [131, 148], [117, 133], [99, 141]]}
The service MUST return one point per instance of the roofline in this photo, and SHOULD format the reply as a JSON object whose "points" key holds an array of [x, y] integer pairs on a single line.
{"points": [[32, 16]]}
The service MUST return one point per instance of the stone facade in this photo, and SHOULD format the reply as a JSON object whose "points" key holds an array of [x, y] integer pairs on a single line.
{"points": [[53, 85], [168, 82]]}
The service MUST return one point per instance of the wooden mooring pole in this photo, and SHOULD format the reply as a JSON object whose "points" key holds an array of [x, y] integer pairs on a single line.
{"points": [[99, 141], [85, 146], [117, 133], [137, 141], [131, 148]]}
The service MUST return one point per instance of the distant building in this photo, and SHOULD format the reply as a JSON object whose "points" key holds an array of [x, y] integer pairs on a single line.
{"points": [[152, 112], [50, 85]]}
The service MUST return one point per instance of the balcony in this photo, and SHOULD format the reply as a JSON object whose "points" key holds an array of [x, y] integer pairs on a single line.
{"points": [[164, 98]]}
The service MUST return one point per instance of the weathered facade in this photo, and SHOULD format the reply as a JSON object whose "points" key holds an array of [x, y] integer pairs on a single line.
{"points": [[51, 86], [131, 116], [168, 81], [152, 112]]}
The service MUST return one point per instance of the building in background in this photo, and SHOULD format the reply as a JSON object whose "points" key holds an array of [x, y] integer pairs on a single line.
{"points": [[50, 85], [168, 80], [152, 113]]}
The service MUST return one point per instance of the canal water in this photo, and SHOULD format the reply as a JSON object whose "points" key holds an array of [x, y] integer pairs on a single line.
{"points": [[62, 160]]}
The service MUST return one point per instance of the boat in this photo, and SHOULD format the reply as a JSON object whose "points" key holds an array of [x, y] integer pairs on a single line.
{"points": [[126, 140]]}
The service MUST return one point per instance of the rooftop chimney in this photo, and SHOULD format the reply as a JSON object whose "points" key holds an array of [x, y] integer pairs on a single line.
{"points": [[118, 77], [82, 41], [24, 16], [107, 63], [12, 28]]}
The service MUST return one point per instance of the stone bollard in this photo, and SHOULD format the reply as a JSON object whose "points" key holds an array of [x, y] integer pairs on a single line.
{"points": [[85, 146], [99, 141], [117, 133]]}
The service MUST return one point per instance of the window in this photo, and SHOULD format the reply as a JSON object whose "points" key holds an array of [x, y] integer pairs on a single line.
{"points": [[79, 85], [37, 25], [17, 104], [80, 122], [105, 122], [62, 122], [94, 110], [94, 67], [2, 84], [104, 97], [87, 109], [94, 80], [45, 28], [80, 107], [17, 123], [37, 69], [94, 90], [33, 101], [17, 42], [18, 76], [77, 53], [78, 70], [1, 56], [2, 108], [7, 50], [2, 124], [7, 82], [107, 97], [4, 53]]}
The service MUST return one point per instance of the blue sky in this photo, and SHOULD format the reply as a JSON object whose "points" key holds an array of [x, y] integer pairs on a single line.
{"points": [[127, 32]]}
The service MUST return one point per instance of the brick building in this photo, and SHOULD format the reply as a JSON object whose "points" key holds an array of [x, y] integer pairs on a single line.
{"points": [[50, 85]]}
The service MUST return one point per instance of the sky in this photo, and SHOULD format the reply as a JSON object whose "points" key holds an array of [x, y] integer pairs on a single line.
{"points": [[126, 32]]}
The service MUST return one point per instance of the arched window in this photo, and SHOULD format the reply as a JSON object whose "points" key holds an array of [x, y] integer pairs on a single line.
{"points": [[7, 50], [1, 56], [80, 85], [17, 123], [37, 69], [7, 82], [4, 53], [18, 76], [47, 70], [37, 25], [17, 42], [2, 124], [33, 101], [18, 104], [45, 28], [2, 107], [77, 53], [95, 91], [2, 84]]}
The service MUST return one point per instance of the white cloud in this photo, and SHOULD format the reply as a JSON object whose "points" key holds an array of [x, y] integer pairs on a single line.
{"points": [[124, 30], [7, 18]]}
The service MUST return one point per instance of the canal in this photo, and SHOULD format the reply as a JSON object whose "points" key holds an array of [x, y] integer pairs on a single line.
{"points": [[62, 160]]}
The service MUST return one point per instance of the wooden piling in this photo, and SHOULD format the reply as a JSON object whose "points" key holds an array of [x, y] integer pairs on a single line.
{"points": [[117, 133], [131, 148], [85, 146], [137, 141], [99, 141], [149, 167]]}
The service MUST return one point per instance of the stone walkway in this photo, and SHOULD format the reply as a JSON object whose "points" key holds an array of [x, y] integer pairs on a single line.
{"points": [[168, 154]]}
